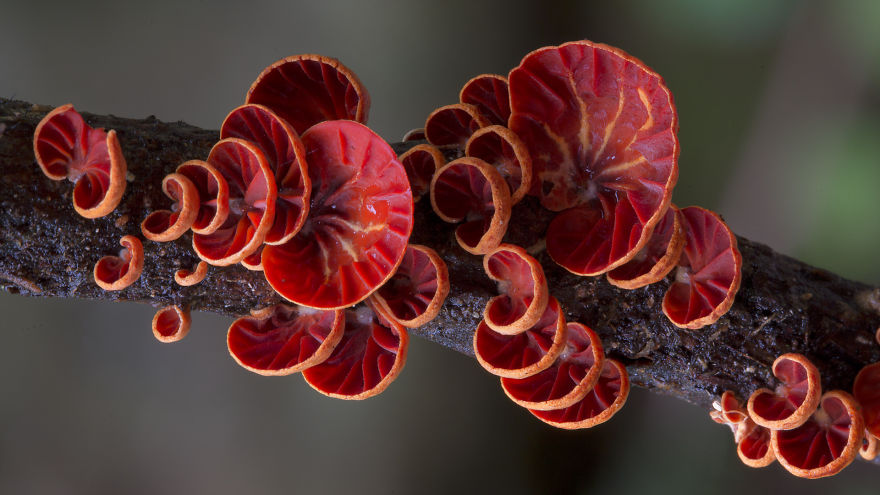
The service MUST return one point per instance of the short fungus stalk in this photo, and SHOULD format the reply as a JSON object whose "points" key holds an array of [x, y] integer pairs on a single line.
{"points": [[118, 272], [171, 324], [66, 147]]}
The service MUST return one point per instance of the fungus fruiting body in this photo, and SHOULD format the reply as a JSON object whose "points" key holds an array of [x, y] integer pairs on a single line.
{"points": [[283, 339], [366, 360], [794, 400], [187, 278], [66, 147], [826, 443], [453, 124], [168, 225], [523, 286], [118, 272], [471, 190], [598, 406], [659, 256], [415, 294], [420, 163], [285, 156], [708, 273], [568, 380], [752, 440], [251, 203], [213, 195], [526, 353], [171, 323], [866, 390], [360, 220], [600, 128], [307, 89], [489, 94], [499, 146]]}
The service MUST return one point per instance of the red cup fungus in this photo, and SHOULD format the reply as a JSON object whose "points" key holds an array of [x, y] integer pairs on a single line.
{"points": [[500, 147], [659, 256], [488, 92], [794, 400], [453, 124], [188, 278], [118, 272], [168, 225], [213, 195], [66, 147], [523, 288], [421, 162], [415, 293], [171, 324]]}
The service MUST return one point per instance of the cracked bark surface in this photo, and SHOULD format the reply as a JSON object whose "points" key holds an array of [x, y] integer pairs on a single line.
{"points": [[783, 305]]}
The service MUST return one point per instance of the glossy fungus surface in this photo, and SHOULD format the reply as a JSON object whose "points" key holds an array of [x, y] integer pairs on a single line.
{"points": [[453, 124], [360, 220], [168, 225], [523, 289], [488, 92], [598, 406], [499, 146], [472, 191], [654, 261], [66, 147], [369, 357], [171, 323], [251, 203], [307, 89], [415, 293], [526, 353], [568, 380], [118, 272], [826, 443], [754, 448], [601, 130], [708, 273], [284, 339], [794, 400], [286, 158]]}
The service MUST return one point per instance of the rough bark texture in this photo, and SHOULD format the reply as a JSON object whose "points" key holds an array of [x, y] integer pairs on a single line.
{"points": [[783, 305]]}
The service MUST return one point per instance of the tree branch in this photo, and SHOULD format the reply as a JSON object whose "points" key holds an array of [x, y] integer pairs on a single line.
{"points": [[783, 305]]}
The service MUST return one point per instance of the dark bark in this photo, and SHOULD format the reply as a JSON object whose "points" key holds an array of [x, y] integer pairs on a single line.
{"points": [[783, 305]]}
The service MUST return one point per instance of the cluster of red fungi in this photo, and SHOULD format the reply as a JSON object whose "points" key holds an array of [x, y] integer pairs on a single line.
{"points": [[300, 189]]}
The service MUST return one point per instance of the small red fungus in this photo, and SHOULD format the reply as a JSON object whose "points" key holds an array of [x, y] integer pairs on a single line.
{"points": [[417, 134], [524, 354], [523, 286], [369, 357], [66, 147], [488, 92], [866, 390], [213, 195], [187, 278], [570, 378], [421, 162], [826, 443], [472, 190], [598, 406], [284, 339], [754, 448], [601, 130], [360, 221], [286, 157], [307, 89], [794, 400], [659, 256], [171, 324], [415, 294], [453, 124], [499, 146], [168, 225], [708, 273], [251, 203], [118, 272]]}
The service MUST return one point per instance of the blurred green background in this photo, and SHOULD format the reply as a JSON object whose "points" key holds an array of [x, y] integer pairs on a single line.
{"points": [[779, 104]]}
